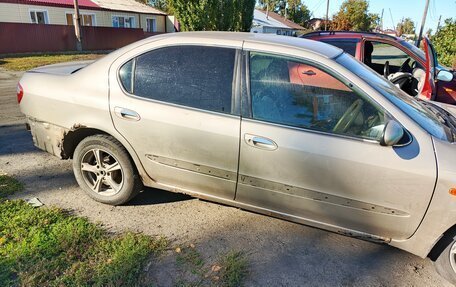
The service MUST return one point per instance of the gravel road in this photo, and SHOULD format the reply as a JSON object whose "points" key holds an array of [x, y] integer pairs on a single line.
{"points": [[280, 253]]}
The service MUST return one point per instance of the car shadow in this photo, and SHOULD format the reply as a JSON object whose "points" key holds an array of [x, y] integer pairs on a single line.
{"points": [[15, 139], [151, 196]]}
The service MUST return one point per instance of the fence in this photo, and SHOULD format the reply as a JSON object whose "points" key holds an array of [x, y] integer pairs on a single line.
{"points": [[32, 38]]}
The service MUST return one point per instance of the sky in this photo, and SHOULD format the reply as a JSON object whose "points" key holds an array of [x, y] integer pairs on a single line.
{"points": [[399, 9]]}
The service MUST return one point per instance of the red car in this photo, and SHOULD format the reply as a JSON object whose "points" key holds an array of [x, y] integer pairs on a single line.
{"points": [[415, 71]]}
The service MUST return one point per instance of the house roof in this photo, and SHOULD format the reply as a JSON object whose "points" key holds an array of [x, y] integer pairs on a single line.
{"points": [[55, 3], [127, 5], [260, 19], [115, 5], [282, 20]]}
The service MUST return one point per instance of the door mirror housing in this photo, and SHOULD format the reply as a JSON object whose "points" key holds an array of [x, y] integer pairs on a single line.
{"points": [[392, 133], [445, 76]]}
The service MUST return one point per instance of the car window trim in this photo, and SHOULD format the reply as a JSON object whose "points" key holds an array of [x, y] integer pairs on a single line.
{"points": [[313, 131], [325, 69], [235, 92]]}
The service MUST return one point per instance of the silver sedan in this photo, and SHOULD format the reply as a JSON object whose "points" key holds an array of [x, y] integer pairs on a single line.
{"points": [[277, 125]]}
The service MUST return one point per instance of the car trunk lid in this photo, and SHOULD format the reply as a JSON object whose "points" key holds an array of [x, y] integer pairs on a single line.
{"points": [[62, 68]]}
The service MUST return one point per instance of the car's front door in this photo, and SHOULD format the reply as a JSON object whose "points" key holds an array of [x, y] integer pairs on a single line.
{"points": [[176, 106], [310, 150]]}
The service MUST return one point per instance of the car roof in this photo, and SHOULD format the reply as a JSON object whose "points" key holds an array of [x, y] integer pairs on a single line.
{"points": [[347, 34], [320, 48]]}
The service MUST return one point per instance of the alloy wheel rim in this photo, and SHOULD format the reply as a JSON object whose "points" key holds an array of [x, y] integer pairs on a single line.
{"points": [[102, 172], [453, 256]]}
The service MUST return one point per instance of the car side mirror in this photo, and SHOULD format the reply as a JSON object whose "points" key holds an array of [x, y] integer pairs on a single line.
{"points": [[392, 133], [445, 76]]}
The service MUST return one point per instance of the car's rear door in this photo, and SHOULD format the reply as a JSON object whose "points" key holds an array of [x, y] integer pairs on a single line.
{"points": [[176, 106], [311, 152]]}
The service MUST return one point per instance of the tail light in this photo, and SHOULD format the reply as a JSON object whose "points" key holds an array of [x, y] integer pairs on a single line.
{"points": [[20, 93]]}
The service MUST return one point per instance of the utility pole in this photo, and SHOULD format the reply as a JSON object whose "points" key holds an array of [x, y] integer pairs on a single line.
{"points": [[327, 12], [392, 21], [423, 21], [438, 24], [77, 27], [381, 20]]}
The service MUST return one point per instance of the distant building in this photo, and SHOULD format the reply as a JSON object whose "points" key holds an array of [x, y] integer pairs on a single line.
{"points": [[273, 23], [389, 32], [98, 13], [317, 24]]}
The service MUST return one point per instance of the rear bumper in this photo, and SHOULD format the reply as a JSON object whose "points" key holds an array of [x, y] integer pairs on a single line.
{"points": [[46, 136]]}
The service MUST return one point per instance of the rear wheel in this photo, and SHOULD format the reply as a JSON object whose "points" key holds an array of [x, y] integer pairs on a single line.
{"points": [[446, 261], [103, 169]]}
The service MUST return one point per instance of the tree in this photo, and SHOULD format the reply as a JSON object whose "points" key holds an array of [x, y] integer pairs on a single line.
{"points": [[406, 26], [444, 40], [293, 10], [214, 15], [353, 16], [297, 12], [163, 5]]}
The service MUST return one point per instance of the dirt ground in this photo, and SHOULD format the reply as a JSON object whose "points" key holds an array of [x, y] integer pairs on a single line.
{"points": [[280, 253]]}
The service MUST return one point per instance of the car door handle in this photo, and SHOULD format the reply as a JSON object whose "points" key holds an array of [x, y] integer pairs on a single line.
{"points": [[309, 73], [260, 142], [127, 114]]}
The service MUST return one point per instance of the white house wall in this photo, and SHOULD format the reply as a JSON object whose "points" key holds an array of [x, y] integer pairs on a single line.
{"points": [[20, 13]]}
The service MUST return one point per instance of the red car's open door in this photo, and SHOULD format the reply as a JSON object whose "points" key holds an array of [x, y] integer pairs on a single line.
{"points": [[428, 90]]}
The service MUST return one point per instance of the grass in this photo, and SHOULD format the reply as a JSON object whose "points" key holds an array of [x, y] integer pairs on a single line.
{"points": [[29, 62], [230, 270], [234, 269], [8, 185], [50, 247]]}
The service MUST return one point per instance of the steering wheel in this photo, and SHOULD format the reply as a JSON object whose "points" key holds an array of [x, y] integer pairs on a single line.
{"points": [[348, 117], [386, 69], [405, 67]]}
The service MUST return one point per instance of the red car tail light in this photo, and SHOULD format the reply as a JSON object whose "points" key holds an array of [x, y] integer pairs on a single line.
{"points": [[20, 93]]}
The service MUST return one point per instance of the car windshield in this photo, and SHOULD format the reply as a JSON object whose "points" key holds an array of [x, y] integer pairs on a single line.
{"points": [[409, 105]]}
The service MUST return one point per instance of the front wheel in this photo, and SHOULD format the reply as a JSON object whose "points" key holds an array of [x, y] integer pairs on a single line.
{"points": [[103, 169], [446, 261]]}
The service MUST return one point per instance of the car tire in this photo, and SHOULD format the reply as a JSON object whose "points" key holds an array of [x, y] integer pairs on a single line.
{"points": [[104, 170], [445, 263]]}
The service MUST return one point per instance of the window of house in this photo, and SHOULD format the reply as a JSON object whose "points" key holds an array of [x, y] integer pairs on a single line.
{"points": [[193, 76], [85, 19], [293, 93], [39, 17], [123, 21], [151, 25]]}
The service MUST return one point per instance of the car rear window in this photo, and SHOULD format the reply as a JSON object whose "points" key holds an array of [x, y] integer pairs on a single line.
{"points": [[194, 76], [348, 45]]}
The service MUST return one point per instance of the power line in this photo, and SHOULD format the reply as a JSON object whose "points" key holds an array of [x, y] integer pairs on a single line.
{"points": [[317, 6]]}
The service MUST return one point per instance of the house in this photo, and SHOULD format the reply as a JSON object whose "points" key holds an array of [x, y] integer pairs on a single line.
{"points": [[270, 22], [98, 13]]}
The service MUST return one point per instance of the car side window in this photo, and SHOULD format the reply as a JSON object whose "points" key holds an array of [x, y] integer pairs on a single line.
{"points": [[193, 76], [376, 54], [349, 46], [289, 92]]}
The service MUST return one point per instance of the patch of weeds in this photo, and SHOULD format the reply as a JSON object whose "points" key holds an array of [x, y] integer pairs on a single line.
{"points": [[8, 185], [229, 271], [49, 247], [234, 269], [190, 259], [29, 62]]}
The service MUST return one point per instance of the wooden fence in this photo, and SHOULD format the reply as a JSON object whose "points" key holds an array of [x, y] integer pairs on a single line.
{"points": [[35, 38]]}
